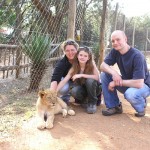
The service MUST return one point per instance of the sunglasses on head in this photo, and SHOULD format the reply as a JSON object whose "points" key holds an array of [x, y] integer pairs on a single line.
{"points": [[69, 42], [85, 48]]}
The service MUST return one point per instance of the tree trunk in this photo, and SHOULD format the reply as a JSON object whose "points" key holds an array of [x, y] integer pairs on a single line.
{"points": [[71, 19], [146, 40], [133, 35], [37, 72], [116, 16], [53, 22], [18, 29], [124, 23], [102, 33]]}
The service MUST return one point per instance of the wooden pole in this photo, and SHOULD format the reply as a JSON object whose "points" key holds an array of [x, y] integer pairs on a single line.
{"points": [[124, 23], [146, 40], [133, 35], [116, 17], [71, 19], [102, 33]]}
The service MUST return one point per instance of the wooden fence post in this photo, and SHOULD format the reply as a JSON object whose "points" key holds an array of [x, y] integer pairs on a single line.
{"points": [[133, 34], [18, 60]]}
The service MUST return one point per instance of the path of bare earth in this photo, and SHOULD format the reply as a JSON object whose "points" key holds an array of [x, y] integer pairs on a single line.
{"points": [[80, 132], [84, 132]]}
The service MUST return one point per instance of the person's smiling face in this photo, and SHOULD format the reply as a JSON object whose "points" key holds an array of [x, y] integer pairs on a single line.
{"points": [[83, 57], [118, 40], [70, 51]]}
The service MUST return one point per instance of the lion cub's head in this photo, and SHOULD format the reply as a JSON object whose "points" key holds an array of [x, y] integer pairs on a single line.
{"points": [[48, 97]]}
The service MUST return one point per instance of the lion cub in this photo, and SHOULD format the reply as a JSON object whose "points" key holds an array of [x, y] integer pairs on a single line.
{"points": [[48, 104]]}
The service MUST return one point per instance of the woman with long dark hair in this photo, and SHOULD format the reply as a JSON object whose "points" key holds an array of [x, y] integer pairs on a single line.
{"points": [[85, 76]]}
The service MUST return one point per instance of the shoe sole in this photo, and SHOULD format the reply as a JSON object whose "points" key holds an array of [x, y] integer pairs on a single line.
{"points": [[139, 115], [108, 114]]}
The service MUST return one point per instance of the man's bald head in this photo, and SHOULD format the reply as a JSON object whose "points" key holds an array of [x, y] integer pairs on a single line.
{"points": [[119, 41], [119, 33]]}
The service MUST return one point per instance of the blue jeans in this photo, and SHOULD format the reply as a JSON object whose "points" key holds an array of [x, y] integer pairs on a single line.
{"points": [[87, 92], [136, 97], [65, 91]]}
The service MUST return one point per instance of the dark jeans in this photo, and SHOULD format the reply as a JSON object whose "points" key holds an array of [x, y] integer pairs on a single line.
{"points": [[87, 92]]}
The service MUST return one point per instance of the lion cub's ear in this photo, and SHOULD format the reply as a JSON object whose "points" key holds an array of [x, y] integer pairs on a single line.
{"points": [[41, 94]]}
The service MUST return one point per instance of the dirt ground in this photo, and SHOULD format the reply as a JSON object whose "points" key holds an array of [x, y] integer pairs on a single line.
{"points": [[80, 132], [84, 132]]}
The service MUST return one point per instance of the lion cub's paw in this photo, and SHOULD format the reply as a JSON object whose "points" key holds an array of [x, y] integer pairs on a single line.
{"points": [[71, 112], [64, 112], [49, 126], [41, 126]]}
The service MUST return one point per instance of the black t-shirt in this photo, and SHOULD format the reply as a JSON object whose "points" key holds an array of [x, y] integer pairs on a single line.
{"points": [[132, 64], [61, 69]]}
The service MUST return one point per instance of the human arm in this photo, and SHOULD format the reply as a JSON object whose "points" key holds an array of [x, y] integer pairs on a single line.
{"points": [[135, 83], [53, 85], [57, 75], [94, 76], [64, 81], [76, 76], [115, 75], [61, 69]]}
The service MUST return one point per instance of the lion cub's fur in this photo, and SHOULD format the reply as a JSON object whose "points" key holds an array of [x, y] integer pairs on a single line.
{"points": [[48, 104]]}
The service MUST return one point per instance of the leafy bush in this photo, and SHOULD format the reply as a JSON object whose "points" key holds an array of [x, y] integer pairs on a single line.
{"points": [[37, 47]]}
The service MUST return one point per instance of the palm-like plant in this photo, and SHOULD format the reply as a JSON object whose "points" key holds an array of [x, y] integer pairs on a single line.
{"points": [[37, 48]]}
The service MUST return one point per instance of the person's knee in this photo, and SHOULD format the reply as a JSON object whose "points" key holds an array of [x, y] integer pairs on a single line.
{"points": [[131, 96], [74, 91], [105, 77], [90, 82], [64, 90]]}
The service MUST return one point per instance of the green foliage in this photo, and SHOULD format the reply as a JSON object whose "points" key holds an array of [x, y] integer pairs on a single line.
{"points": [[7, 17], [142, 21], [5, 38], [96, 52], [37, 47], [2, 38]]}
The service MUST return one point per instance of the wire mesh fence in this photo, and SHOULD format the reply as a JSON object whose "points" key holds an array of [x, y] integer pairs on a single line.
{"points": [[32, 30]]}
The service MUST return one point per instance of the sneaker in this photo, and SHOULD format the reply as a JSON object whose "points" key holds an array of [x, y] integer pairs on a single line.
{"points": [[91, 108], [112, 111], [140, 114]]}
